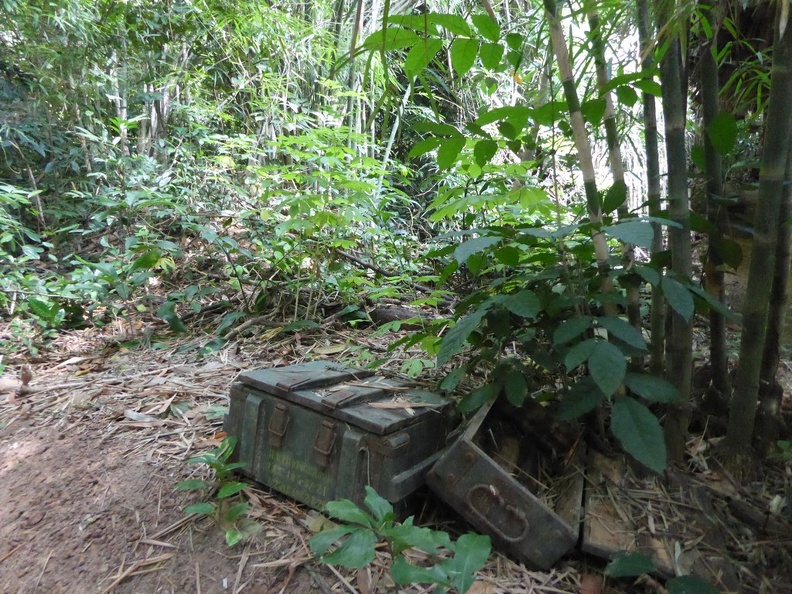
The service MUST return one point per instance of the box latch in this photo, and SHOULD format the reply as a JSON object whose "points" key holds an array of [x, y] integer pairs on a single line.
{"points": [[323, 446], [278, 424]]}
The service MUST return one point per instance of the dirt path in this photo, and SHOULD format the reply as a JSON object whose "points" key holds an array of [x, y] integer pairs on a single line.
{"points": [[88, 464]]}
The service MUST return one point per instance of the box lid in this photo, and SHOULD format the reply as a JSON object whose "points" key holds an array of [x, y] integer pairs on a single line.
{"points": [[356, 396]]}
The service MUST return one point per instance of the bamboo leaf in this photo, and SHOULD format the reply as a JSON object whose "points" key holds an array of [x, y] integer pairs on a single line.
{"points": [[639, 433]]}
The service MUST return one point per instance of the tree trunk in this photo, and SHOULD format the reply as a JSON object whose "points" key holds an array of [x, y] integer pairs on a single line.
{"points": [[584, 153], [651, 141], [778, 128], [769, 423], [680, 344], [713, 277]]}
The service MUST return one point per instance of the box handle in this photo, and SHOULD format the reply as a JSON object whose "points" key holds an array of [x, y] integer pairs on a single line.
{"points": [[485, 501], [323, 446], [278, 424]]}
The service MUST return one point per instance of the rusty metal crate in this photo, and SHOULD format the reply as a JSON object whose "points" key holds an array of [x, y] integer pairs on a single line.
{"points": [[320, 431], [496, 503]]}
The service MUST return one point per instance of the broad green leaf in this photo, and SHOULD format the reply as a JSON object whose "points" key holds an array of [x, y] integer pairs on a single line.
{"points": [[697, 156], [451, 381], [453, 23], [607, 366], [355, 552], [582, 398], [42, 309], [524, 304], [633, 232], [625, 564], [491, 55], [229, 489], [722, 132], [517, 115], [514, 41], [549, 113], [729, 249], [690, 584], [508, 255], [478, 398], [639, 433], [649, 274], [348, 511], [488, 28], [571, 328], [236, 511], [394, 38], [322, 541], [579, 354], [436, 128], [191, 485], [379, 506], [463, 55], [203, 509], [614, 197], [626, 96], [715, 304], [420, 55], [473, 246], [678, 297], [624, 331], [651, 387], [484, 151], [515, 387], [456, 337], [424, 146], [405, 536], [471, 552], [405, 573], [593, 110], [167, 312], [449, 151], [649, 87], [146, 261], [233, 537]]}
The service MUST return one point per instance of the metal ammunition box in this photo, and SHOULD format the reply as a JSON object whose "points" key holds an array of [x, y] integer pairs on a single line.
{"points": [[496, 503], [319, 432]]}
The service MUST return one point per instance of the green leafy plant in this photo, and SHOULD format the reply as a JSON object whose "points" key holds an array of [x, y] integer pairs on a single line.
{"points": [[626, 564], [223, 491], [352, 545]]}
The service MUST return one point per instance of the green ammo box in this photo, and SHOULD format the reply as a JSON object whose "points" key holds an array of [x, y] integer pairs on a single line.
{"points": [[319, 432]]}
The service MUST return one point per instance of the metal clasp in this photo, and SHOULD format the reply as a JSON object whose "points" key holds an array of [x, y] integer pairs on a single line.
{"points": [[278, 424], [324, 444]]}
